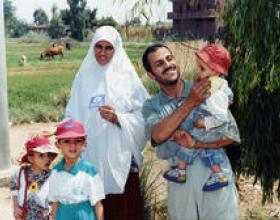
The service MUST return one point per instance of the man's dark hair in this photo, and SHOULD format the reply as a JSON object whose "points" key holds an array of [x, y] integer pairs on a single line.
{"points": [[151, 49]]}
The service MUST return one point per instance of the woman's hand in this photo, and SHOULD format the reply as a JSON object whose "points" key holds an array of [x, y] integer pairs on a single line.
{"points": [[108, 113]]}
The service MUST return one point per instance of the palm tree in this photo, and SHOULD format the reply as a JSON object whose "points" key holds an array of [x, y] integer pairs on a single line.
{"points": [[141, 8]]}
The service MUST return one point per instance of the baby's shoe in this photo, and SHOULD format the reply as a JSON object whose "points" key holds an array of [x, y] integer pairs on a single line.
{"points": [[216, 181], [175, 175]]}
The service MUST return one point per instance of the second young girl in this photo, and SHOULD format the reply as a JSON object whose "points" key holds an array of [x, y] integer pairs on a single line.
{"points": [[29, 185]]}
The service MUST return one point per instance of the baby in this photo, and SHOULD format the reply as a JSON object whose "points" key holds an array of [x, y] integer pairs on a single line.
{"points": [[208, 122]]}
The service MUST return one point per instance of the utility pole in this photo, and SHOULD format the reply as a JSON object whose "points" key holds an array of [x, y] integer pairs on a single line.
{"points": [[5, 156]]}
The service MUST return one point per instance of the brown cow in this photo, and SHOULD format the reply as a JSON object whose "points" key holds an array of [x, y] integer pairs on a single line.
{"points": [[53, 51]]}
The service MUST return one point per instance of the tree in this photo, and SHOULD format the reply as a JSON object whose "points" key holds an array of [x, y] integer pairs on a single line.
{"points": [[13, 26], [255, 79], [136, 21], [54, 10], [40, 17], [77, 18], [9, 10], [141, 8], [56, 28], [16, 28], [65, 16], [107, 21], [90, 16]]}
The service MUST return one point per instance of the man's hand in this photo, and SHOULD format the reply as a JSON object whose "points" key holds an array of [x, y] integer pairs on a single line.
{"points": [[199, 123], [108, 113], [199, 92], [183, 138]]}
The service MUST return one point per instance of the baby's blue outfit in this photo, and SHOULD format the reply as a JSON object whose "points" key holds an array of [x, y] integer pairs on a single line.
{"points": [[216, 117]]}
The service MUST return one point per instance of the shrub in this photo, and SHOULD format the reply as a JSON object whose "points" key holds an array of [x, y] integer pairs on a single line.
{"points": [[60, 98], [152, 206], [150, 85], [34, 37], [36, 113]]}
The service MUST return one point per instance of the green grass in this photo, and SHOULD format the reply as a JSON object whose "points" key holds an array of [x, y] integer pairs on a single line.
{"points": [[39, 90]]}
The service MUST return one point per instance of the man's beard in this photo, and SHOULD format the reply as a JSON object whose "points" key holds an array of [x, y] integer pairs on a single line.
{"points": [[165, 82]]}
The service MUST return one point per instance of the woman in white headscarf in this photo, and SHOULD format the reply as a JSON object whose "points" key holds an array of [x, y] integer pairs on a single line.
{"points": [[107, 97]]}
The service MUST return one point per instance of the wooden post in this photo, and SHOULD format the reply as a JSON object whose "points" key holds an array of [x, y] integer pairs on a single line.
{"points": [[5, 157]]}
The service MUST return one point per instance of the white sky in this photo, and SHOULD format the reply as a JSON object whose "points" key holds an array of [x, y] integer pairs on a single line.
{"points": [[119, 12]]}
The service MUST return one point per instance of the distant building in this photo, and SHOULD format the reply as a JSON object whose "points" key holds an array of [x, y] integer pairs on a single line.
{"points": [[199, 20], [39, 28], [42, 29]]}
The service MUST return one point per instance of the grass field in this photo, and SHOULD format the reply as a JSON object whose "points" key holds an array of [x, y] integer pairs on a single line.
{"points": [[39, 90]]}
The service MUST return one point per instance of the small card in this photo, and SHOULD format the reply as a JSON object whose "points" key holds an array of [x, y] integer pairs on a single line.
{"points": [[97, 101]]}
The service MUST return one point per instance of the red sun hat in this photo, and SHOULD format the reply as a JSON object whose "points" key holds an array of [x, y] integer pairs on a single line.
{"points": [[70, 129], [38, 144], [216, 57]]}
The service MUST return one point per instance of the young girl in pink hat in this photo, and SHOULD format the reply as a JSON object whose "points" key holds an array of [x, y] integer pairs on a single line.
{"points": [[29, 185], [76, 189], [208, 122]]}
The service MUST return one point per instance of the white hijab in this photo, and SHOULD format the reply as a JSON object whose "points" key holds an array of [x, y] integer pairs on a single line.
{"points": [[109, 147]]}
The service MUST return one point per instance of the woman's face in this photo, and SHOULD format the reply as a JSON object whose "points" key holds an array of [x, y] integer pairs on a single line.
{"points": [[103, 51]]}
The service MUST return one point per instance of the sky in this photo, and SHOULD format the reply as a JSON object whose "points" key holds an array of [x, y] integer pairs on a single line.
{"points": [[120, 12]]}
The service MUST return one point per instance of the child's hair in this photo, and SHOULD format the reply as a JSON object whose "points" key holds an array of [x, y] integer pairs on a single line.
{"points": [[70, 129], [216, 57], [40, 144]]}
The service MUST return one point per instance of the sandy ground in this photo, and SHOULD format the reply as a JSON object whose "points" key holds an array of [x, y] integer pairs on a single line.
{"points": [[249, 195]]}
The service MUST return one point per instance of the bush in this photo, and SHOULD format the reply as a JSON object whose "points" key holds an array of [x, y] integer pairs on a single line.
{"points": [[56, 28], [16, 28], [36, 113], [107, 21], [150, 85], [34, 37], [152, 206], [137, 33], [60, 98]]}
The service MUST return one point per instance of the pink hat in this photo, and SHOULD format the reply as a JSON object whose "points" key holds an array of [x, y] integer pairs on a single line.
{"points": [[38, 144], [216, 57], [70, 129]]}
